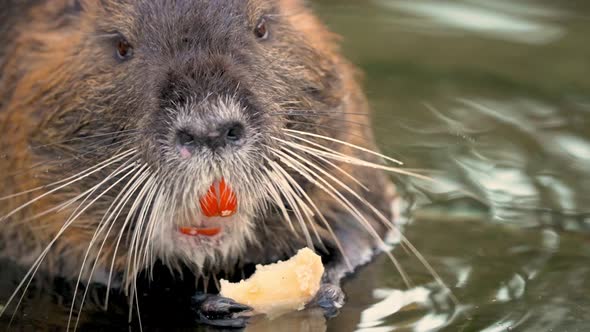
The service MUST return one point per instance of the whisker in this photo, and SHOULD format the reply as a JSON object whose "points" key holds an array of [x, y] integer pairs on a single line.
{"points": [[33, 270], [138, 311], [309, 214], [336, 112], [334, 193], [317, 210], [58, 208], [156, 212], [356, 161], [331, 128], [105, 221], [137, 211], [330, 117], [76, 178], [144, 175], [61, 161], [386, 222], [111, 135], [289, 195], [272, 190], [341, 170], [335, 155], [354, 146], [136, 247]]}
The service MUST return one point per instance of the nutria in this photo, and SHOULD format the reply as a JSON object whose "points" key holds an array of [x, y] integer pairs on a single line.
{"points": [[120, 117]]}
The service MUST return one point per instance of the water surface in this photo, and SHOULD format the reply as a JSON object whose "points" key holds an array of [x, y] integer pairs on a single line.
{"points": [[492, 99]]}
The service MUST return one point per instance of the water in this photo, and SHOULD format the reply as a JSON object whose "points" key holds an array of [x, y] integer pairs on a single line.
{"points": [[492, 99]]}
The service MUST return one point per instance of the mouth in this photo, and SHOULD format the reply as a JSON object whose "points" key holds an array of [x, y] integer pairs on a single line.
{"points": [[217, 207]]}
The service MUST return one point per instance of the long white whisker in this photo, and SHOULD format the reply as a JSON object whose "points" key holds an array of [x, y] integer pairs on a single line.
{"points": [[317, 210], [33, 270], [357, 161], [272, 190], [61, 181], [136, 246], [127, 197], [387, 223], [334, 193], [360, 148], [120, 202], [157, 204], [308, 213], [289, 195], [144, 195], [111, 161], [102, 225], [341, 170], [138, 311]]}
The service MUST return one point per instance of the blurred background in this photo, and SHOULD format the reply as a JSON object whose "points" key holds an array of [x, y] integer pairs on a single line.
{"points": [[492, 99]]}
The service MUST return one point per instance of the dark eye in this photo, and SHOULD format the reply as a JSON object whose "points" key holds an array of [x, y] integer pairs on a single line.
{"points": [[261, 30], [124, 49]]}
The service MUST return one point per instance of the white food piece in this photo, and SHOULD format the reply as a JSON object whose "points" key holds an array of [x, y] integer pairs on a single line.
{"points": [[279, 288]]}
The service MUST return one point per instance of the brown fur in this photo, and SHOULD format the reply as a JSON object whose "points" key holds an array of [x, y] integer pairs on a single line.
{"points": [[60, 85]]}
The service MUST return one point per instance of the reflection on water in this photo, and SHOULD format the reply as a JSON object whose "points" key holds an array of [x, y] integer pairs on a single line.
{"points": [[492, 99], [309, 321], [499, 19], [504, 278], [516, 155]]}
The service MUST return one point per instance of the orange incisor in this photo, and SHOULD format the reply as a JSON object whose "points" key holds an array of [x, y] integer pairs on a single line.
{"points": [[220, 201]]}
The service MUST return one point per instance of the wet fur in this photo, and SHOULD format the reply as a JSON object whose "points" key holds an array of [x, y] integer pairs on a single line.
{"points": [[67, 104]]}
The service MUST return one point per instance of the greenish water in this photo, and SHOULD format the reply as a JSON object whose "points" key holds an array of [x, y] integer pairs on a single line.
{"points": [[492, 99]]}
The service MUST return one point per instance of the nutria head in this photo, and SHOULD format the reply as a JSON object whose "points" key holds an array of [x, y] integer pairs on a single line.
{"points": [[129, 112]]}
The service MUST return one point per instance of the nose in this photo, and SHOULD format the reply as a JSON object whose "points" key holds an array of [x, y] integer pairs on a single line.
{"points": [[220, 136]]}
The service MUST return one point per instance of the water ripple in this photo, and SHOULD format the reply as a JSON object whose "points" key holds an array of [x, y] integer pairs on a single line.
{"points": [[501, 20]]}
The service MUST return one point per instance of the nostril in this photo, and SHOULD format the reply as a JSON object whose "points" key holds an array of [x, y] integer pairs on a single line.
{"points": [[185, 139], [214, 138], [235, 132]]}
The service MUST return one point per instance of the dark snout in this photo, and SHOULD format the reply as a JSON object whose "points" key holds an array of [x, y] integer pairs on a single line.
{"points": [[215, 136], [209, 104]]}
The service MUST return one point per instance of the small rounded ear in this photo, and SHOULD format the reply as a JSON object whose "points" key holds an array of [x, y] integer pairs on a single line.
{"points": [[300, 15]]}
